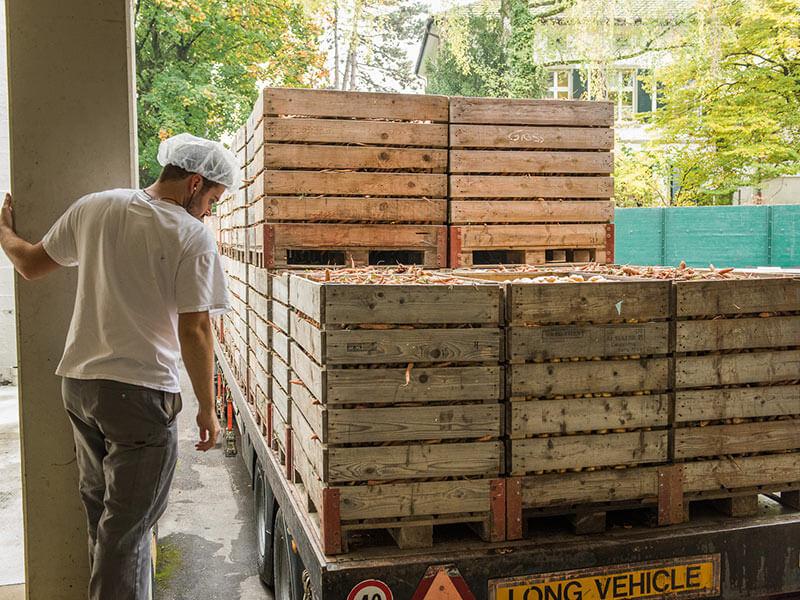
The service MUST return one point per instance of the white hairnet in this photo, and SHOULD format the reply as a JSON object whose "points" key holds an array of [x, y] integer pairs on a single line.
{"points": [[210, 159]]}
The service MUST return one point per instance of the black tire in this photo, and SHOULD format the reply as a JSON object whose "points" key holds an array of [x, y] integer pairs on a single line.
{"points": [[264, 559], [282, 560]]}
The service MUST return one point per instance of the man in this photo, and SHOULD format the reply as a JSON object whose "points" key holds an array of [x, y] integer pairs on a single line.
{"points": [[149, 276]]}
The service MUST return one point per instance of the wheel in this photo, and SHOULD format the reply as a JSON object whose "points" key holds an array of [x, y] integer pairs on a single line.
{"points": [[281, 560], [263, 556]]}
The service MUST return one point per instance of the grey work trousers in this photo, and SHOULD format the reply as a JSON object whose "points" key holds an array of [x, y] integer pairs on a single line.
{"points": [[126, 449]]}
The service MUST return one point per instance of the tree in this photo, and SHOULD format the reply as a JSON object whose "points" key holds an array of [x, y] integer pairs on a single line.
{"points": [[366, 41], [731, 98], [199, 63]]}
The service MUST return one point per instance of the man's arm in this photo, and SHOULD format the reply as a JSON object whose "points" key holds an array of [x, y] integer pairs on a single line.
{"points": [[197, 350], [30, 260]]}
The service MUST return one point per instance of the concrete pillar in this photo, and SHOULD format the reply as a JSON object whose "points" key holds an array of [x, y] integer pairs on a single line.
{"points": [[72, 120]]}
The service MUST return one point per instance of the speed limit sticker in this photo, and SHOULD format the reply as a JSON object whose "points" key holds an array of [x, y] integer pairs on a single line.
{"points": [[371, 589]]}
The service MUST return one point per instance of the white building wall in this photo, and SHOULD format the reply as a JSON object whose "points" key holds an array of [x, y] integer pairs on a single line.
{"points": [[8, 337]]}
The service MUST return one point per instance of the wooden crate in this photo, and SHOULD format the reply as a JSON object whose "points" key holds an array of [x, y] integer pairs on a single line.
{"points": [[737, 376], [588, 382], [517, 163], [331, 156], [295, 245], [551, 245], [397, 416]]}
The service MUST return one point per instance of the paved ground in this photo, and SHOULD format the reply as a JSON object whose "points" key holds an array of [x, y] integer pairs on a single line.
{"points": [[207, 538], [11, 550]]}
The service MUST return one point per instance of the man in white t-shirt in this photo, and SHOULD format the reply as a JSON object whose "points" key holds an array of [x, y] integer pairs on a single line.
{"points": [[149, 277]]}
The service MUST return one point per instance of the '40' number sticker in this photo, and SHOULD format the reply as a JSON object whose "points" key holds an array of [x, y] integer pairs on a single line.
{"points": [[371, 589]]}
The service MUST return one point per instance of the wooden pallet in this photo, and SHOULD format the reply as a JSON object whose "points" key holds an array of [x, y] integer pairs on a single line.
{"points": [[483, 245], [363, 424], [286, 245], [348, 157]]}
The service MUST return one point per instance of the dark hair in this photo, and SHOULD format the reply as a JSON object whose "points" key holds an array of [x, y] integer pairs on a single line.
{"points": [[175, 173]]}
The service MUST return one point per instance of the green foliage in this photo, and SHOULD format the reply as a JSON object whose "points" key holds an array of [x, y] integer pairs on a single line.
{"points": [[731, 98], [199, 64], [640, 178]]}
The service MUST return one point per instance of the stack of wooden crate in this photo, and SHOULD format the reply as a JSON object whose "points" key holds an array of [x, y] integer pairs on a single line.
{"points": [[530, 181], [588, 378], [396, 404], [347, 178], [259, 357], [737, 392]]}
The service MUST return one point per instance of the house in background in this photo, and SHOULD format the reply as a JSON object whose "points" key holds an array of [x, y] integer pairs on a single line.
{"points": [[629, 82]]}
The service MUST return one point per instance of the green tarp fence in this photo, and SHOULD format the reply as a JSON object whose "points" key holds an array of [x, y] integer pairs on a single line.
{"points": [[725, 236]]}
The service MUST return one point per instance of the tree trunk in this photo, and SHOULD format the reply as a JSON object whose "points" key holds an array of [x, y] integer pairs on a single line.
{"points": [[336, 45]]}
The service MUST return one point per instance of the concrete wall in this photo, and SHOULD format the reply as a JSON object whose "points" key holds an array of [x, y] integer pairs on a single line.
{"points": [[781, 190], [8, 330], [72, 118]]}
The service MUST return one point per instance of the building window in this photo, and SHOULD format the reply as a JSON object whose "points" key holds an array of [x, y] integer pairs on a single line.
{"points": [[621, 91], [560, 85]]}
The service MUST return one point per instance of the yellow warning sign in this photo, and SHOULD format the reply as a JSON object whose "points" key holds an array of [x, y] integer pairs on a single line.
{"points": [[680, 578]]}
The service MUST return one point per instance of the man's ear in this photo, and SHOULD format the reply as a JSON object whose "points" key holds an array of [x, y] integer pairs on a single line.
{"points": [[195, 182]]}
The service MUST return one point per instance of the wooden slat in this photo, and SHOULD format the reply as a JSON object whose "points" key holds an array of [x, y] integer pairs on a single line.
{"points": [[308, 441], [280, 394], [530, 138], [310, 478], [597, 302], [586, 341], [305, 296], [530, 211], [742, 296], [530, 186], [378, 133], [501, 161], [587, 414], [743, 472], [258, 279], [304, 156], [349, 386], [581, 451], [613, 376], [609, 485], [301, 183], [314, 413], [307, 336], [414, 461], [414, 499], [364, 425], [719, 440], [736, 334], [376, 210], [362, 105], [281, 374], [412, 345], [412, 304], [532, 112], [733, 403], [488, 237], [279, 286], [737, 369], [422, 237], [309, 372]]}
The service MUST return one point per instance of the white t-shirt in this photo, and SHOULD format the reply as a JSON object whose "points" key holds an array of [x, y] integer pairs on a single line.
{"points": [[140, 263]]}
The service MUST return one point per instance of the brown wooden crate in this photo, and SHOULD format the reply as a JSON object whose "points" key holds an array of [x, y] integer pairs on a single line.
{"points": [[530, 138], [582, 451], [766, 367], [302, 183], [721, 440], [587, 341], [489, 237], [521, 161], [361, 105], [609, 376], [530, 211], [737, 334], [737, 403], [537, 417], [375, 133], [335, 209], [531, 112], [530, 186], [596, 302], [738, 296]]}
